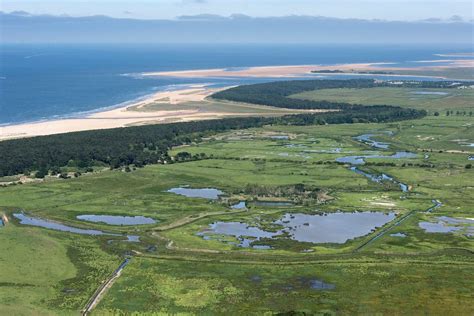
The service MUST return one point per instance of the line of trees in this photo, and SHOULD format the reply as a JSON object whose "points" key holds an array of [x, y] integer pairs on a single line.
{"points": [[277, 93], [142, 145]]}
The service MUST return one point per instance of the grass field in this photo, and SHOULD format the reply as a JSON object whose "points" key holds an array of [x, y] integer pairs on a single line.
{"points": [[44, 272], [174, 270], [360, 288], [440, 100]]}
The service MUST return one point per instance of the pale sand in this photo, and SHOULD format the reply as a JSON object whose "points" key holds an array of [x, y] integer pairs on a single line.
{"points": [[125, 116], [255, 72], [132, 116], [119, 117], [302, 70]]}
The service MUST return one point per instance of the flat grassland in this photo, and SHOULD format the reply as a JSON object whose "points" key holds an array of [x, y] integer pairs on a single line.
{"points": [[431, 100], [175, 270]]}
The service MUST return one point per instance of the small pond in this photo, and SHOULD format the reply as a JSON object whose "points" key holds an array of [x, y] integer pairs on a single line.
{"points": [[239, 206], [360, 159], [32, 221], [402, 235], [131, 238], [117, 220], [367, 139], [280, 137], [38, 222], [336, 227], [296, 146], [206, 193], [245, 233], [447, 224], [316, 284]]}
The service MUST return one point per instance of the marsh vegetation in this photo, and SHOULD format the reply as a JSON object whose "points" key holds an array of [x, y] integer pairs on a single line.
{"points": [[236, 227]]}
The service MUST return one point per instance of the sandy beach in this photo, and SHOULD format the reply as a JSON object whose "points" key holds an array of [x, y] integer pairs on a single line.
{"points": [[156, 109], [302, 70], [119, 117], [254, 72]]}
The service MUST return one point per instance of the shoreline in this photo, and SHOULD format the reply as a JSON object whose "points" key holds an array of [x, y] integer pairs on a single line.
{"points": [[116, 116], [131, 113], [292, 71], [182, 105]]}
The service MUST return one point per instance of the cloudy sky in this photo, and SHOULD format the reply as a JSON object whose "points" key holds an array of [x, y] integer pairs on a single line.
{"points": [[404, 10]]}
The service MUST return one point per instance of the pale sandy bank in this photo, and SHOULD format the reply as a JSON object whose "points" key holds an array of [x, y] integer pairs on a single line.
{"points": [[302, 70], [188, 104], [119, 117]]}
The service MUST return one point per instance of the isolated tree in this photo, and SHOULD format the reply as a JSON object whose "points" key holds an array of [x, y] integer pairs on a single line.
{"points": [[41, 173]]}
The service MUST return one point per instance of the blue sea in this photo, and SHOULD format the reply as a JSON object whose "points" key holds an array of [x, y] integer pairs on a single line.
{"points": [[39, 82]]}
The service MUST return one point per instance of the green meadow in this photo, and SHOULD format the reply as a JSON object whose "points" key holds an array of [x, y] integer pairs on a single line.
{"points": [[174, 270]]}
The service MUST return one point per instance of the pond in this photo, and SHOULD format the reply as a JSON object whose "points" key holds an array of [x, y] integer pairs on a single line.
{"points": [[402, 235], [332, 227], [117, 220], [32, 221], [360, 159], [205, 193], [131, 238], [447, 224], [239, 206], [38, 222], [244, 233], [367, 139], [336, 227], [280, 137], [316, 284]]}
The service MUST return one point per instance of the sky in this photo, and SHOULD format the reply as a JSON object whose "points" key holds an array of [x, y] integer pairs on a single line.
{"points": [[399, 10]]}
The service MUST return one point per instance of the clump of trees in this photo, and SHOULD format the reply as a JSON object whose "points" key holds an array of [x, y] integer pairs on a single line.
{"points": [[458, 113]]}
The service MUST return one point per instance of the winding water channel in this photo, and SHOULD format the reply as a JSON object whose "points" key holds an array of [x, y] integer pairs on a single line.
{"points": [[358, 160]]}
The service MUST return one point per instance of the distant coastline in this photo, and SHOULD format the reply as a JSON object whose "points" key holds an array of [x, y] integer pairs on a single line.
{"points": [[291, 71], [129, 113], [51, 82]]}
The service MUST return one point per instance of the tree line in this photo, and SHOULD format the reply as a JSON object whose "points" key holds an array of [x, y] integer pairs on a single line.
{"points": [[277, 93], [149, 144]]}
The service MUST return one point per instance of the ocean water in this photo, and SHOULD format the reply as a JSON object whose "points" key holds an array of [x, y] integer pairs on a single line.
{"points": [[40, 82]]}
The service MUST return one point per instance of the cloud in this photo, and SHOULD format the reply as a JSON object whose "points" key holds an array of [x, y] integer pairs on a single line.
{"points": [[193, 1], [20, 13], [456, 18], [202, 17]]}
